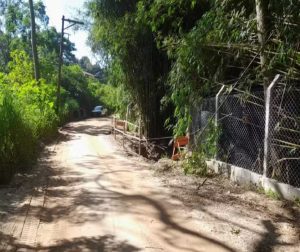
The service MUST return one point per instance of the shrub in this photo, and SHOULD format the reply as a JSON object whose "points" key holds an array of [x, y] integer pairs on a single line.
{"points": [[17, 141], [27, 115], [196, 164]]}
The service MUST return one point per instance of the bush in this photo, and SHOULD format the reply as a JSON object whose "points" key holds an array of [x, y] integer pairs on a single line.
{"points": [[27, 111], [204, 148], [17, 140], [196, 164], [115, 99], [37, 105], [27, 115]]}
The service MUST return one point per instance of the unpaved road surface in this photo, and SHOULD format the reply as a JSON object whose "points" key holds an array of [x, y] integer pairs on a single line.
{"points": [[87, 194]]}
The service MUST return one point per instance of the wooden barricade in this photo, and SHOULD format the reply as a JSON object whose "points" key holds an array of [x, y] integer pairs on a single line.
{"points": [[121, 126]]}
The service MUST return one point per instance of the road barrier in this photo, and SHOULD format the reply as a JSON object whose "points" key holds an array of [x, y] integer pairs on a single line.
{"points": [[121, 127]]}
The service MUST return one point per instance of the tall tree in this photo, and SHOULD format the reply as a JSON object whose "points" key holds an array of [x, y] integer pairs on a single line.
{"points": [[131, 49], [262, 33], [33, 42], [208, 43]]}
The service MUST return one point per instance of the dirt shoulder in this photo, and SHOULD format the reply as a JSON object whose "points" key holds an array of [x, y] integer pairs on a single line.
{"points": [[236, 213]]}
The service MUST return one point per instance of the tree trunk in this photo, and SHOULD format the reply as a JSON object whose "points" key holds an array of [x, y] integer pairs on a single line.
{"points": [[262, 33], [33, 43]]}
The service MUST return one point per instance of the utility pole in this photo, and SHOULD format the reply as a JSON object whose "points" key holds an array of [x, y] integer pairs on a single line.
{"points": [[33, 43], [61, 53]]}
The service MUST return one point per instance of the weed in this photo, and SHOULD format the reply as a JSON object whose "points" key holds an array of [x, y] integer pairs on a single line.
{"points": [[235, 231], [205, 149], [297, 202], [269, 193], [196, 164], [273, 195], [260, 190]]}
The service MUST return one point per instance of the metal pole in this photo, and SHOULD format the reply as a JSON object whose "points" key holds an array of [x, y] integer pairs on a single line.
{"points": [[124, 135], [217, 105], [127, 114], [217, 116], [140, 136], [60, 62], [115, 135], [267, 125]]}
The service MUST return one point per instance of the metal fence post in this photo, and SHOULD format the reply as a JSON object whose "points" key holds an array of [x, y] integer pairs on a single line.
{"points": [[217, 116], [115, 135], [268, 97], [140, 136], [127, 115], [112, 125], [124, 134]]}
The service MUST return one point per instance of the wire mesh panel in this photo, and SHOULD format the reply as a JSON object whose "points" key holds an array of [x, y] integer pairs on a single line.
{"points": [[201, 115], [284, 148], [242, 126], [242, 120]]}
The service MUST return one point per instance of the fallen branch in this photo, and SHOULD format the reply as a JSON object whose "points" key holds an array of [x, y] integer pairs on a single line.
{"points": [[202, 184]]}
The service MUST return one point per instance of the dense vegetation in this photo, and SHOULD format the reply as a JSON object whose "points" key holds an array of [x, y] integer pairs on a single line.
{"points": [[168, 55], [28, 107], [160, 57]]}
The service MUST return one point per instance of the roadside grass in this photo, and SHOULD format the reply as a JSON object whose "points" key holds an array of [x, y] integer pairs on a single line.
{"points": [[23, 123], [297, 202]]}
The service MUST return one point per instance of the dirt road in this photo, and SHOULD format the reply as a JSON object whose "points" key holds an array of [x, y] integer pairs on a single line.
{"points": [[89, 195]]}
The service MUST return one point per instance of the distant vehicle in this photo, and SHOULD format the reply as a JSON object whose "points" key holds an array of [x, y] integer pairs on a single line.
{"points": [[97, 111]]}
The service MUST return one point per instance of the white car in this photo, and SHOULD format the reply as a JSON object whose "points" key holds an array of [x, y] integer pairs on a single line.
{"points": [[97, 111]]}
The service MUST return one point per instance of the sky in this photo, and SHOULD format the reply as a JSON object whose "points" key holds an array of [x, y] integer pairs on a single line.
{"points": [[55, 9]]}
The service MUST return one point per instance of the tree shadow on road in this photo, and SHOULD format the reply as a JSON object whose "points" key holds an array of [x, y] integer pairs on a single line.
{"points": [[126, 202], [232, 199], [269, 239], [106, 243], [78, 128], [76, 205]]}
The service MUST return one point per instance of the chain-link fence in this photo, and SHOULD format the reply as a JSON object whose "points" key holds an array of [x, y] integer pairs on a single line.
{"points": [[241, 119], [284, 131], [201, 115]]}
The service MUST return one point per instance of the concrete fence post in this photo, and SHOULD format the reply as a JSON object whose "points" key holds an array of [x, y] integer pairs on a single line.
{"points": [[217, 115], [124, 132], [268, 100], [140, 136], [127, 115], [115, 135]]}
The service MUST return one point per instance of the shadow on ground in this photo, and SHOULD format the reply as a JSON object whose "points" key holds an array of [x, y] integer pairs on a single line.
{"points": [[105, 243], [103, 199], [220, 191], [84, 128]]}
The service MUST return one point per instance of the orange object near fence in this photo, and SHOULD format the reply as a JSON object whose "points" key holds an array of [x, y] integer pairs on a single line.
{"points": [[180, 144], [120, 124]]}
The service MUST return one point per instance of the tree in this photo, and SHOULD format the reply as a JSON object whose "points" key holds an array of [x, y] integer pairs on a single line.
{"points": [[48, 48], [132, 54], [94, 69], [185, 49], [262, 33], [33, 42], [16, 29]]}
